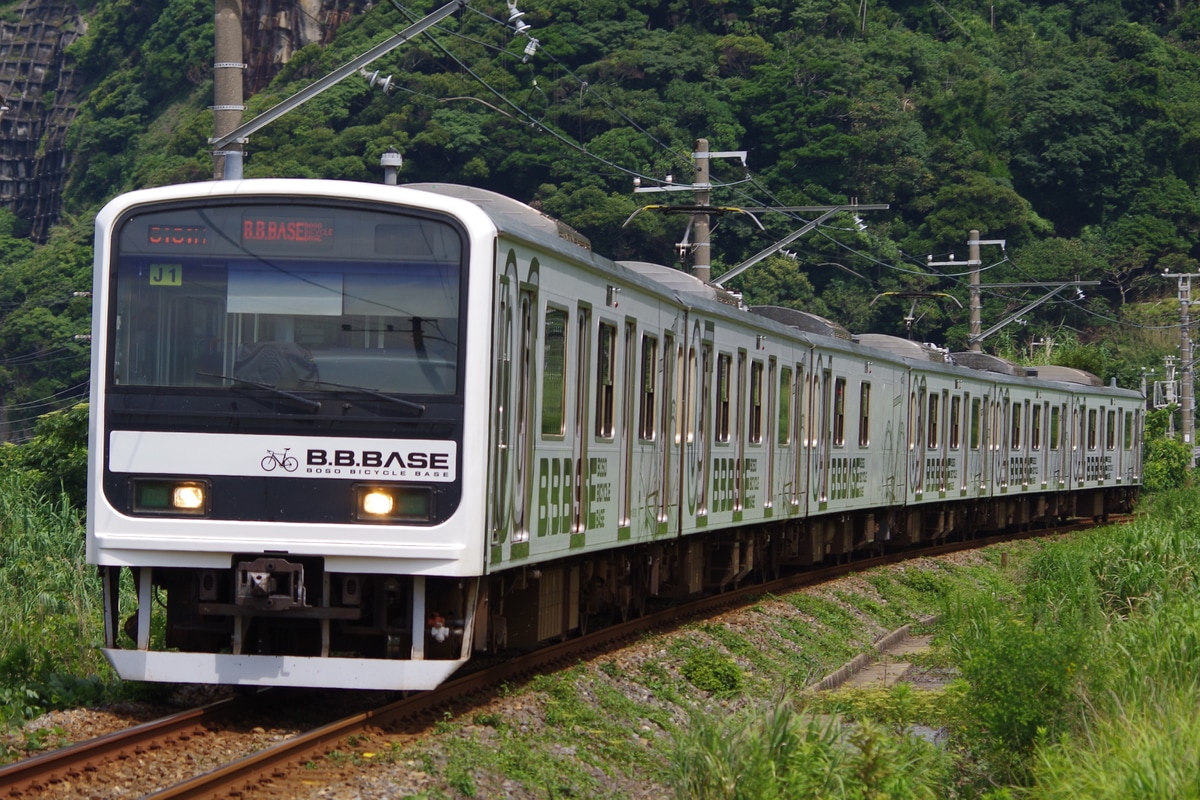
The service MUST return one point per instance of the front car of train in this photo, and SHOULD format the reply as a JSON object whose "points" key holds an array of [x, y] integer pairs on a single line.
{"points": [[285, 460]]}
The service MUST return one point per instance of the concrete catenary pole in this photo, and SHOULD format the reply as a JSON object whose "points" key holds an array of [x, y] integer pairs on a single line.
{"points": [[703, 261], [1187, 403], [1187, 400], [228, 68], [976, 311]]}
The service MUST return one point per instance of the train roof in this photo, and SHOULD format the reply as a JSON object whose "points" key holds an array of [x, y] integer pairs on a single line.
{"points": [[512, 215], [989, 363], [680, 282], [1067, 375], [504, 209], [904, 348], [803, 321]]}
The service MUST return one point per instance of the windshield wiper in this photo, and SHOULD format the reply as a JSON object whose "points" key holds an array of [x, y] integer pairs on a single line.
{"points": [[400, 401], [313, 405]]}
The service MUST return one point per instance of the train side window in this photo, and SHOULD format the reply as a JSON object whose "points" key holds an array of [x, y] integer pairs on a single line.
{"points": [[799, 416], [668, 410], [649, 386], [606, 367], [1110, 431], [810, 412], [1128, 441], [985, 422], [1055, 428], [992, 429], [955, 422], [976, 414], [756, 385], [839, 411], [1035, 429], [932, 438], [864, 414], [785, 406], [1014, 438], [914, 421], [1091, 429], [724, 363], [706, 382], [689, 407], [629, 383], [679, 399], [554, 369]]}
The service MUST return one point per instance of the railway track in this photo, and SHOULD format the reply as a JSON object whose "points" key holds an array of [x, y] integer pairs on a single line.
{"points": [[271, 771], [43, 772]]}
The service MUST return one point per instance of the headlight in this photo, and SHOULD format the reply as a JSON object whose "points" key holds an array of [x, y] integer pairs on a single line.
{"points": [[188, 497], [377, 503], [158, 496], [392, 503]]}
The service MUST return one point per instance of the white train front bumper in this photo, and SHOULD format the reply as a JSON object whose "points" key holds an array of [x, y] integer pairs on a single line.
{"points": [[250, 670]]}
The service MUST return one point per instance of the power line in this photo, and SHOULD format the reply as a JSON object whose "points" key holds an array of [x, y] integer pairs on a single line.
{"points": [[540, 124], [38, 357], [54, 398]]}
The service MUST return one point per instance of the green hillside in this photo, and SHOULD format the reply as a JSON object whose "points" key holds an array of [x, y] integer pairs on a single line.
{"points": [[1071, 130]]}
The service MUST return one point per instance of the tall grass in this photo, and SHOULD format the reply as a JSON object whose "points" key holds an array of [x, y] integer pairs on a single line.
{"points": [[1144, 733], [1086, 683], [781, 755], [1147, 750], [49, 615]]}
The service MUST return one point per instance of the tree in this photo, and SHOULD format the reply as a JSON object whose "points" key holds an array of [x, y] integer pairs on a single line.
{"points": [[55, 459], [1070, 150]]}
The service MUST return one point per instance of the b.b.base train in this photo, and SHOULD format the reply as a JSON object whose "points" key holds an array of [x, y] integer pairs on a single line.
{"points": [[348, 435]]}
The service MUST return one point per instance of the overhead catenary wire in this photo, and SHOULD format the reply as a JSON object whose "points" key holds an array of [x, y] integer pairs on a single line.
{"points": [[78, 390], [541, 125], [43, 357]]}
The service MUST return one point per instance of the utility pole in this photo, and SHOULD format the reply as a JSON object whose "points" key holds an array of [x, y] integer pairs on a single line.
{"points": [[974, 340], [228, 107], [703, 258], [1187, 410], [975, 336], [237, 136], [701, 188], [975, 304]]}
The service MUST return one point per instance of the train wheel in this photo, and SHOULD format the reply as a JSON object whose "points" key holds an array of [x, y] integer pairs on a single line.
{"points": [[634, 603]]}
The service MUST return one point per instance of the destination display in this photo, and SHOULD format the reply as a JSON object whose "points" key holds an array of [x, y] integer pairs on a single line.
{"points": [[257, 228], [292, 231], [176, 235]]}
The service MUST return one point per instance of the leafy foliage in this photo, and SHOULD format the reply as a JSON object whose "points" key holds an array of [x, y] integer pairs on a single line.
{"points": [[54, 461], [1167, 464], [1021, 673], [51, 605], [711, 671], [1071, 131], [1068, 131]]}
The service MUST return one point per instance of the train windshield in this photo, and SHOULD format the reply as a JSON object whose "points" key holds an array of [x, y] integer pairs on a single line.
{"points": [[297, 297]]}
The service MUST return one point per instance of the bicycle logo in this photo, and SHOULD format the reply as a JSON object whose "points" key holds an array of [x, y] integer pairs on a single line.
{"points": [[272, 460]]}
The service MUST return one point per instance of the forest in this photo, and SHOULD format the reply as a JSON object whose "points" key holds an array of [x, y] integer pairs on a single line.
{"points": [[1069, 130]]}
